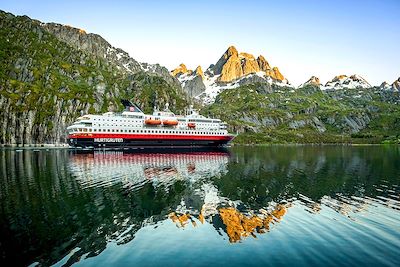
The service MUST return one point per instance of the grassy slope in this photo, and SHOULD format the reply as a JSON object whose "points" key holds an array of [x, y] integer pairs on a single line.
{"points": [[285, 105]]}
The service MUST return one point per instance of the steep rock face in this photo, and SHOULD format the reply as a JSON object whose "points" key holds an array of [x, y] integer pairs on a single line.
{"points": [[249, 63], [275, 74], [191, 81], [343, 81], [232, 66], [232, 69], [263, 63], [217, 68], [195, 86], [45, 84]]}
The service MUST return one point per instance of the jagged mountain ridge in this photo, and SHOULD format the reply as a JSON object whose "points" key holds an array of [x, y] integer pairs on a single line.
{"points": [[232, 70], [46, 83], [96, 45]]}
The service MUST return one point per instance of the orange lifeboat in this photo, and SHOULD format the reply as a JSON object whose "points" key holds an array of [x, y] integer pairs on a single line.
{"points": [[170, 122], [191, 125], [152, 121]]}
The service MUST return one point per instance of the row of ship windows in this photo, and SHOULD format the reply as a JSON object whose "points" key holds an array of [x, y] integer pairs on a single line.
{"points": [[117, 120], [144, 131], [134, 125], [138, 123], [140, 118]]}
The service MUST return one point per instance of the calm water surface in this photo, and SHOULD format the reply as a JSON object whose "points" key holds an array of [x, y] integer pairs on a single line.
{"points": [[298, 206]]}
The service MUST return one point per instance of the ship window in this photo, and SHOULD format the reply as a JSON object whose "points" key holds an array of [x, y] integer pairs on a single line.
{"points": [[108, 130], [152, 131]]}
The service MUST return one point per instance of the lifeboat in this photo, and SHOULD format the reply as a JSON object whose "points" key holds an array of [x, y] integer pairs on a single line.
{"points": [[170, 122], [191, 125], [152, 121]]}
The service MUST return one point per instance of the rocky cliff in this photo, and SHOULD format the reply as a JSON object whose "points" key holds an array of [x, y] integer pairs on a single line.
{"points": [[191, 81], [233, 65], [233, 69], [50, 74]]}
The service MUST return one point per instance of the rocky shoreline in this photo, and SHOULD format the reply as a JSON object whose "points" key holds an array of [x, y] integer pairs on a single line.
{"points": [[55, 145]]}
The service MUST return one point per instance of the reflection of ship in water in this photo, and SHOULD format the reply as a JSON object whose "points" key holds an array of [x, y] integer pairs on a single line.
{"points": [[133, 170]]}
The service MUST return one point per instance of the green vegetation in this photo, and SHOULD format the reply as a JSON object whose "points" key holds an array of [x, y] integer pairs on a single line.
{"points": [[309, 115], [45, 84]]}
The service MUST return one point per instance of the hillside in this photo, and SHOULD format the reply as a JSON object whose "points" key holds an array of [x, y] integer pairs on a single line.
{"points": [[46, 83], [264, 113]]}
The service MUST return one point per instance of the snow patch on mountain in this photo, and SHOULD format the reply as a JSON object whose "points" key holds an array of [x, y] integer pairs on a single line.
{"points": [[343, 81]]}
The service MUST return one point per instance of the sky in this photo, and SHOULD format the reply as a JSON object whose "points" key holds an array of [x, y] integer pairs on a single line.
{"points": [[302, 38]]}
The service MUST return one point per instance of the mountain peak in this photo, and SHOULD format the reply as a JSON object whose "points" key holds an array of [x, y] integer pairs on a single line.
{"points": [[233, 65], [198, 71], [312, 81], [344, 81], [181, 69], [275, 74], [231, 51]]}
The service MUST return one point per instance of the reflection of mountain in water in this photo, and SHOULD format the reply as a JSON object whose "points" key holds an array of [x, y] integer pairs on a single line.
{"points": [[54, 201]]}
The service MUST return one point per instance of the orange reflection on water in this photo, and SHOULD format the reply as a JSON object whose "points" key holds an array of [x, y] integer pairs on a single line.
{"points": [[239, 225], [180, 220]]}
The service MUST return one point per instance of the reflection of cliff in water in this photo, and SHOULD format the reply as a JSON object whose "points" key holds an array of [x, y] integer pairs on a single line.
{"points": [[54, 201], [234, 223]]}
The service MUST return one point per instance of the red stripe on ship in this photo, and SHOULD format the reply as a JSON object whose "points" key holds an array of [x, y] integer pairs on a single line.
{"points": [[153, 136]]}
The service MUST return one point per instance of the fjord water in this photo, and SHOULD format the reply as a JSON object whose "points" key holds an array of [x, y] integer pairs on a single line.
{"points": [[278, 205]]}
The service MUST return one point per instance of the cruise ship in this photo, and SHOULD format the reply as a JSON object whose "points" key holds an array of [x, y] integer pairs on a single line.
{"points": [[133, 128]]}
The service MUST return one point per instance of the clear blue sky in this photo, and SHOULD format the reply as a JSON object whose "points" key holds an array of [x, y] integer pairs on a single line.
{"points": [[302, 38]]}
